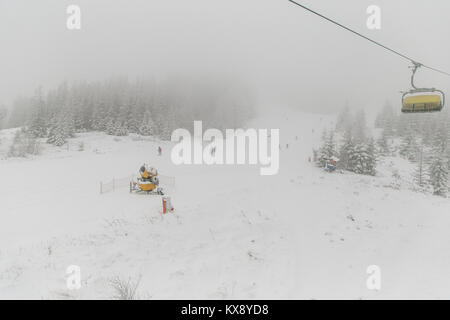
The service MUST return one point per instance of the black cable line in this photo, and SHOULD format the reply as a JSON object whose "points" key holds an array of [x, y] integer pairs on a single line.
{"points": [[367, 38]]}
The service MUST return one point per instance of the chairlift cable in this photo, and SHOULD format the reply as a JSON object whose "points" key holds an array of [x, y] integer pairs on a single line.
{"points": [[413, 61]]}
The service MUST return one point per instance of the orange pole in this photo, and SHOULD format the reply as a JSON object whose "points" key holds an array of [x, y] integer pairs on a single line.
{"points": [[164, 205]]}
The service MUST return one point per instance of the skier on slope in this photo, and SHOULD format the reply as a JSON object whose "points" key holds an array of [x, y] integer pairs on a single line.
{"points": [[331, 164], [159, 151]]}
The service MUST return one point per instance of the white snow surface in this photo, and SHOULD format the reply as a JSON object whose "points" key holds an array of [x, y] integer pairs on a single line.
{"points": [[301, 234]]}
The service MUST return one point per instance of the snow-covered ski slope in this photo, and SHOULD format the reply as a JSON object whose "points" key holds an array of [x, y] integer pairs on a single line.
{"points": [[234, 234]]}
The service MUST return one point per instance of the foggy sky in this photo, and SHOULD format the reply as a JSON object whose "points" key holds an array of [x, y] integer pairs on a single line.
{"points": [[285, 54]]}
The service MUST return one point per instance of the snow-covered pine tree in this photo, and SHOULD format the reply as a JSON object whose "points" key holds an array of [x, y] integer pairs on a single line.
{"points": [[386, 119], [383, 144], [363, 158], [321, 154], [419, 174], [3, 114], [121, 129], [346, 151], [168, 122], [439, 175], [38, 126], [344, 119], [110, 126], [370, 161], [409, 147], [440, 143], [133, 122], [16, 150], [389, 127], [56, 132], [123, 120], [164, 130], [100, 116], [68, 125], [360, 126], [439, 164], [38, 122], [145, 130], [147, 127], [57, 138], [356, 160], [61, 128], [403, 126], [78, 123], [328, 148], [23, 144], [380, 121], [99, 106]]}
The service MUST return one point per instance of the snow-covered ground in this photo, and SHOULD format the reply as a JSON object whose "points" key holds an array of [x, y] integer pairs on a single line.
{"points": [[234, 234]]}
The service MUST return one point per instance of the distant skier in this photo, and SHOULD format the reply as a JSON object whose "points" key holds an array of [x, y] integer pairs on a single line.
{"points": [[331, 164], [159, 151]]}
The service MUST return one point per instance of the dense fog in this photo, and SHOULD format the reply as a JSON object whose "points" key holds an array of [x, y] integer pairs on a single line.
{"points": [[280, 53]]}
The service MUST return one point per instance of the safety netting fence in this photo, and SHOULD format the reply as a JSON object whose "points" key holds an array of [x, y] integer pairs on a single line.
{"points": [[115, 183]]}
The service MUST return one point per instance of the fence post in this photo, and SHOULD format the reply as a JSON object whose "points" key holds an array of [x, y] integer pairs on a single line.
{"points": [[166, 204]]}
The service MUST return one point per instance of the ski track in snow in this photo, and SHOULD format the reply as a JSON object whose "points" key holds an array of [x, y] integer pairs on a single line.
{"points": [[302, 234]]}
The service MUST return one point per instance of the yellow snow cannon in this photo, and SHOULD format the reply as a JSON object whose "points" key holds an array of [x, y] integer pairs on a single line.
{"points": [[148, 181]]}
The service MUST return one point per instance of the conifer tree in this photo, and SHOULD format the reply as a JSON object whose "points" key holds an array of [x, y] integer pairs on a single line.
{"points": [[409, 148], [439, 175], [328, 148], [346, 151], [419, 174]]}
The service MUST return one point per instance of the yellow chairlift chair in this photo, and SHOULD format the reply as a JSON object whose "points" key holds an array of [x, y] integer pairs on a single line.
{"points": [[420, 100]]}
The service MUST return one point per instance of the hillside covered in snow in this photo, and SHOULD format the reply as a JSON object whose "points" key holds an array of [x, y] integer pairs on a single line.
{"points": [[233, 234]]}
